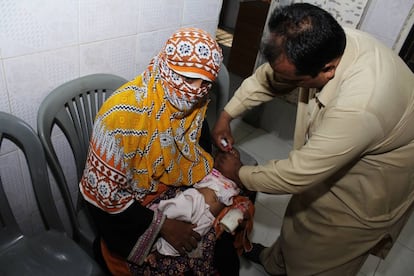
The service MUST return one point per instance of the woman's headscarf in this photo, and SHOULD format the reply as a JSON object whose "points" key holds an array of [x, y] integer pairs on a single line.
{"points": [[191, 53], [147, 132]]}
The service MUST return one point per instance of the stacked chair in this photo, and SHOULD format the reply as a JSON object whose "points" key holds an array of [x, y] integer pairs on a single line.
{"points": [[50, 252]]}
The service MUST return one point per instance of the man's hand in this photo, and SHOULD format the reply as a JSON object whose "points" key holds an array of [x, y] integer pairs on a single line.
{"points": [[222, 132], [180, 235]]}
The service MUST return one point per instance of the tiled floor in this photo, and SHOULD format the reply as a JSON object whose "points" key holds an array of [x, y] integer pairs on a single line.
{"points": [[269, 144]]}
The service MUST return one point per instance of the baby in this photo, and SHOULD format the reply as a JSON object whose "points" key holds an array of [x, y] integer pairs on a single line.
{"points": [[199, 205]]}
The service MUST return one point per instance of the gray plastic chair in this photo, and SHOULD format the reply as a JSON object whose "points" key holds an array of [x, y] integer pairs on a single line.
{"points": [[222, 89], [51, 252], [73, 107]]}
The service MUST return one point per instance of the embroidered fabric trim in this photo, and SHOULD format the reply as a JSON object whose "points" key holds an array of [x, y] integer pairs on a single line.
{"points": [[144, 244]]}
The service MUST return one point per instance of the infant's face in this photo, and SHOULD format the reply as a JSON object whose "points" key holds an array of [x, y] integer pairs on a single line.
{"points": [[211, 199]]}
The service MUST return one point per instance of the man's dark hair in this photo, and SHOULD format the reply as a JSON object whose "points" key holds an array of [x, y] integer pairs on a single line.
{"points": [[309, 37]]}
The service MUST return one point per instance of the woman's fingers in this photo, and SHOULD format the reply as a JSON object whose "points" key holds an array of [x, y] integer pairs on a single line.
{"points": [[180, 235]]}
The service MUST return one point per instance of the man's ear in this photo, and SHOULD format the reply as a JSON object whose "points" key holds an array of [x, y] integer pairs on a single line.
{"points": [[329, 69]]}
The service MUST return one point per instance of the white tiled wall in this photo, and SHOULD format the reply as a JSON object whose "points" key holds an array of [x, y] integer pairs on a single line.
{"points": [[385, 19], [382, 18], [44, 43]]}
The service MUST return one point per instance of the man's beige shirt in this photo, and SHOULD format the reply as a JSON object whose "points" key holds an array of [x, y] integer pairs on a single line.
{"points": [[352, 165]]}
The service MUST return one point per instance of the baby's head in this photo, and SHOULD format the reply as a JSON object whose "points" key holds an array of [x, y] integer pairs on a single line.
{"points": [[218, 191]]}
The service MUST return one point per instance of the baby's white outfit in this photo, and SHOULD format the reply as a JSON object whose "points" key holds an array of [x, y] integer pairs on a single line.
{"points": [[190, 206]]}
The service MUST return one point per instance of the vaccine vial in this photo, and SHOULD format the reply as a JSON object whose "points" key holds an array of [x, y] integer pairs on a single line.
{"points": [[223, 142]]}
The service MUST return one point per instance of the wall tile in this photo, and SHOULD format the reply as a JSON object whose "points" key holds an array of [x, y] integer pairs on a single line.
{"points": [[17, 184], [398, 262], [14, 185], [200, 10], [407, 234], [29, 26], [116, 56], [274, 203], [65, 156], [106, 19], [240, 130], [208, 26], [149, 45], [347, 12], [384, 19], [370, 266], [258, 144], [30, 200], [266, 228], [281, 124], [160, 14], [30, 78], [4, 96], [248, 268]]}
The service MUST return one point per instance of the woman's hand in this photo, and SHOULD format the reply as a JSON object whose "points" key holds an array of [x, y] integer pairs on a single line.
{"points": [[222, 132], [180, 235]]}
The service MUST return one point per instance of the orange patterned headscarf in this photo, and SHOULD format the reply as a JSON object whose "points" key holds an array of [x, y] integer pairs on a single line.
{"points": [[147, 132], [191, 53]]}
